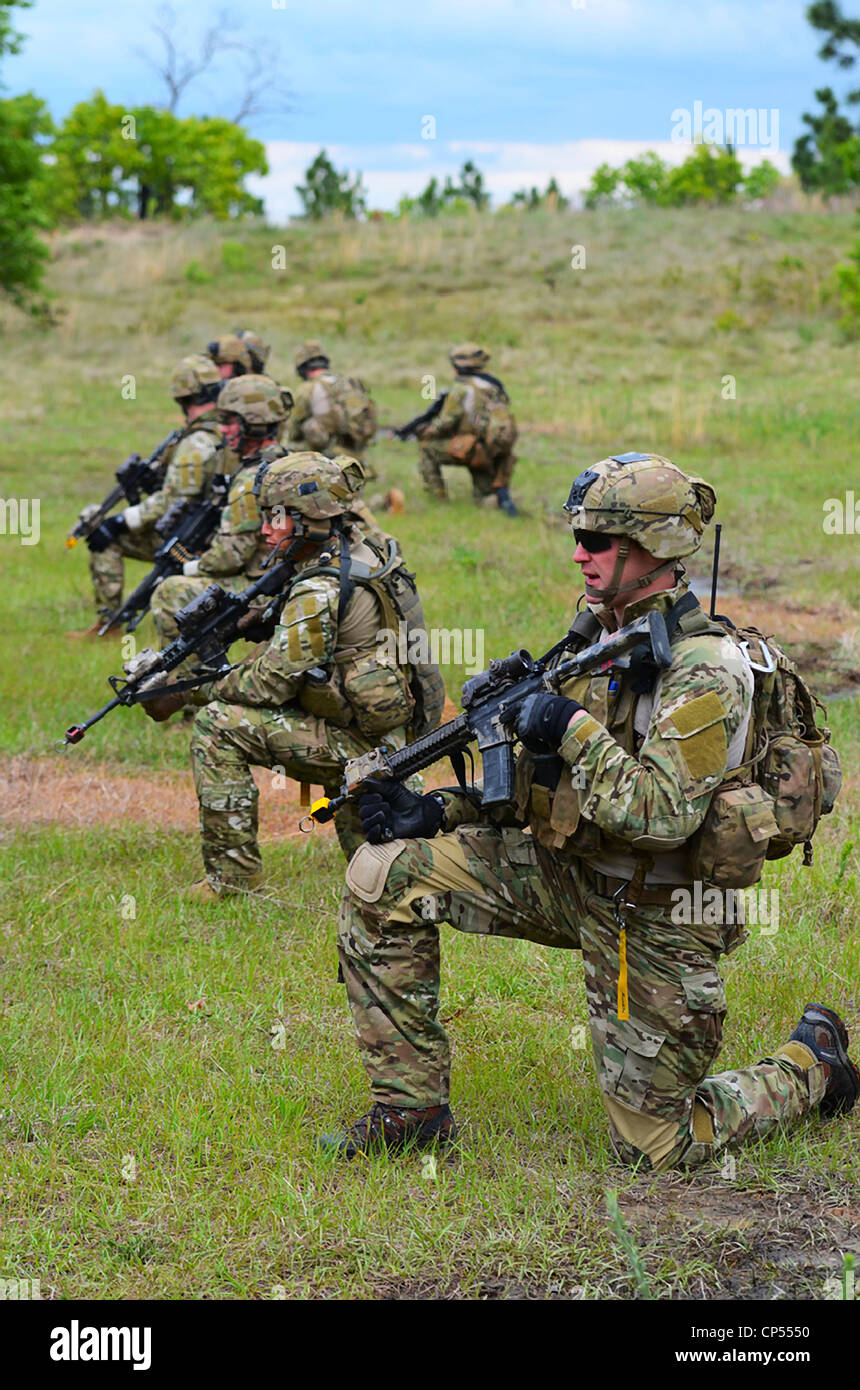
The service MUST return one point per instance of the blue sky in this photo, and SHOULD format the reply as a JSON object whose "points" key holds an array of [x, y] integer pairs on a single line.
{"points": [[527, 88]]}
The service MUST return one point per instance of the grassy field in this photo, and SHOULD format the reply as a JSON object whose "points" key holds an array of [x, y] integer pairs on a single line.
{"points": [[165, 1067]]}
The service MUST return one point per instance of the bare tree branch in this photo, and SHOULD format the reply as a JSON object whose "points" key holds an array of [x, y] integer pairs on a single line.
{"points": [[263, 88]]}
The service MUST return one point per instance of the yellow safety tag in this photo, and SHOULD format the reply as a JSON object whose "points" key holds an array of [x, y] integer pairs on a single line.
{"points": [[320, 805], [623, 1001], [71, 542]]}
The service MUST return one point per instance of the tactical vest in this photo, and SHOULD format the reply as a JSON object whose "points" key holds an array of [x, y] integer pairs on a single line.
{"points": [[378, 684], [487, 410], [548, 799], [788, 778]]}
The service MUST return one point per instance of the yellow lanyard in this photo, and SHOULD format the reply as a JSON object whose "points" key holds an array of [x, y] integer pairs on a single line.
{"points": [[623, 1001]]}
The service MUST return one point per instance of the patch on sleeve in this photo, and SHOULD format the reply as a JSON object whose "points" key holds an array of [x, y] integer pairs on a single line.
{"points": [[583, 729], [699, 727]]}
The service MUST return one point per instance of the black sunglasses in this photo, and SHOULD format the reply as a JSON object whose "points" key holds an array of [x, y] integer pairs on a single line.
{"points": [[593, 541]]}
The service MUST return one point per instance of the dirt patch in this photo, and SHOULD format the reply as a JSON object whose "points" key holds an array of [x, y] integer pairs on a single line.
{"points": [[824, 642], [40, 790], [37, 790], [763, 1243]]}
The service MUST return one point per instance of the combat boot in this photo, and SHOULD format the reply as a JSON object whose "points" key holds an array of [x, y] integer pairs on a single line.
{"points": [[506, 502], [822, 1031], [205, 891], [389, 1129]]}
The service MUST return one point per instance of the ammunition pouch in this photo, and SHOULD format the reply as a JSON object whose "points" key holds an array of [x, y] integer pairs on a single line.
{"points": [[322, 695], [467, 449], [730, 846]]}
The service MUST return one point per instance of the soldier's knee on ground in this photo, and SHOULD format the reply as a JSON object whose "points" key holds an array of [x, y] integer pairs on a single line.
{"points": [[656, 1143]]}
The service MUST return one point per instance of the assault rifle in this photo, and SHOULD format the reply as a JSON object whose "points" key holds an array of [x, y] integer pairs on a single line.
{"points": [[505, 685], [208, 625], [136, 477], [406, 431], [188, 527]]}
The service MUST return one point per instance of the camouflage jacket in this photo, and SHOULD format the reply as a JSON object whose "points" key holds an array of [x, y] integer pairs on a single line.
{"points": [[367, 687], [640, 772], [238, 546], [192, 464], [465, 410]]}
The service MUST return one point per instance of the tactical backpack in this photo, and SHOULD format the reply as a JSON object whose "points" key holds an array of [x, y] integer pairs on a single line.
{"points": [[492, 420], [403, 616], [789, 778], [353, 411]]}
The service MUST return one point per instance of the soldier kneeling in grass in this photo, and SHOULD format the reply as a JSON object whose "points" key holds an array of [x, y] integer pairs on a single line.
{"points": [[631, 784]]}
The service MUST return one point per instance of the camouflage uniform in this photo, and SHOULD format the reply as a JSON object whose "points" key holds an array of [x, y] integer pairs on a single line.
{"points": [[637, 778], [190, 466], [316, 422], [458, 434], [234, 559], [265, 714]]}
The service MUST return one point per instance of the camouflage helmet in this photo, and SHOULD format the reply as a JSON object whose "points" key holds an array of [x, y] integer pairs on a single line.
{"points": [[310, 352], [469, 357], [258, 351], [645, 497], [260, 401], [195, 379], [319, 488], [230, 348]]}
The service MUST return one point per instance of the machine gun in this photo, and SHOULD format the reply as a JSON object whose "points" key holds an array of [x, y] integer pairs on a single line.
{"points": [[505, 685], [136, 477], [188, 528], [207, 626], [406, 431]]}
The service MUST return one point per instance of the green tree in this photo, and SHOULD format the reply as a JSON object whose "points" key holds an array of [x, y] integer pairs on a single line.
{"points": [[531, 198], [603, 187], [325, 191], [23, 121], [709, 175], [472, 186], [24, 124], [645, 177], [827, 157], [111, 161], [762, 181]]}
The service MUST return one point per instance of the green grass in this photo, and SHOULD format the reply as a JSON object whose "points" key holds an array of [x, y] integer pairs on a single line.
{"points": [[104, 1061]]}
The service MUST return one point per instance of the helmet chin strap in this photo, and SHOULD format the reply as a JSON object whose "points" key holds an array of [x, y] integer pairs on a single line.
{"points": [[607, 597]]}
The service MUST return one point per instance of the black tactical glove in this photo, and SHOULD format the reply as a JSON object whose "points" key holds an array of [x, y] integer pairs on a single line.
{"points": [[506, 501], [540, 721], [392, 812], [106, 534]]}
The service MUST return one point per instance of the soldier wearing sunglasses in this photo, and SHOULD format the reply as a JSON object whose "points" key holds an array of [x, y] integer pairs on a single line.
{"points": [[615, 778]]}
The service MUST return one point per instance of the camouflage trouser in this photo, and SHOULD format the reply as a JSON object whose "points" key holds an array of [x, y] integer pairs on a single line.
{"points": [[227, 741], [107, 570], [433, 456], [652, 1069]]}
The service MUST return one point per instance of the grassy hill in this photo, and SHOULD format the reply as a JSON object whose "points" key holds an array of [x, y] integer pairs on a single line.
{"points": [[151, 1030]]}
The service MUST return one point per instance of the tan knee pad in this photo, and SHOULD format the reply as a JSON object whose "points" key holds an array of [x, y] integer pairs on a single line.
{"points": [[368, 868]]}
